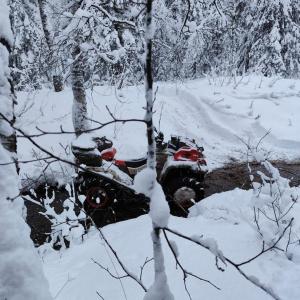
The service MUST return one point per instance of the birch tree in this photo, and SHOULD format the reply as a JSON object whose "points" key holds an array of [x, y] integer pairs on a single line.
{"points": [[80, 114], [159, 208]]}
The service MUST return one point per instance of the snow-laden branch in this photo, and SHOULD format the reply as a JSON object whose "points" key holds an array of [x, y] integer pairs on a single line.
{"points": [[159, 209], [185, 272], [215, 251]]}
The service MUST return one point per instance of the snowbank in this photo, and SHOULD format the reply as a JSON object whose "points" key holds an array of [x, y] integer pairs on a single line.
{"points": [[21, 274], [225, 218]]}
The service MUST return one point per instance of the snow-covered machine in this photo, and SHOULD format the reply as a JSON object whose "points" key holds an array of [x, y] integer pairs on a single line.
{"points": [[107, 182]]}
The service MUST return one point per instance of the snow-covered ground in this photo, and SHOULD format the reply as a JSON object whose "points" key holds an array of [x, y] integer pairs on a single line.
{"points": [[216, 112], [226, 217]]}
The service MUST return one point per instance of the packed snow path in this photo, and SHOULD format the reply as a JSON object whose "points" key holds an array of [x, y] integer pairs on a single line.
{"points": [[216, 112]]}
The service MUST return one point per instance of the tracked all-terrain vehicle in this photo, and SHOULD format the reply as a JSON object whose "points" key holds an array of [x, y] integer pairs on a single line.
{"points": [[105, 186]]}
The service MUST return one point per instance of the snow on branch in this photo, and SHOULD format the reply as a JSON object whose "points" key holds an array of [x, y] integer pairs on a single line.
{"points": [[212, 248]]}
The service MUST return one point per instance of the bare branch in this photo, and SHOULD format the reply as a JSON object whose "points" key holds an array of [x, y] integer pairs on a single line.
{"points": [[99, 295], [124, 268], [252, 279], [274, 245], [26, 161], [144, 265], [62, 131], [184, 271], [108, 271]]}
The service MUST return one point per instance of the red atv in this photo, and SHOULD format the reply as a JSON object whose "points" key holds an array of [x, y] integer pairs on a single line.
{"points": [[107, 183]]}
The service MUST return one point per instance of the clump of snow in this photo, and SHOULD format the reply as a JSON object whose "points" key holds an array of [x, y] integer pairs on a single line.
{"points": [[109, 168], [212, 245], [145, 182], [159, 290], [5, 99], [84, 141], [65, 225]]}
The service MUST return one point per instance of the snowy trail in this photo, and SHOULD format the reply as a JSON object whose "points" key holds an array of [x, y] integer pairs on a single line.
{"points": [[217, 116], [209, 127], [219, 129]]}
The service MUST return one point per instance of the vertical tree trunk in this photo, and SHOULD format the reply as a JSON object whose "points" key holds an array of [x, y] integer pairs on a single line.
{"points": [[160, 289], [7, 98], [149, 89], [80, 115], [57, 79]]}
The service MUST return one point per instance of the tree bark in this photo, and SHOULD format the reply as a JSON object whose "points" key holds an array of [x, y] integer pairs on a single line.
{"points": [[160, 286], [7, 134], [57, 79], [80, 114], [149, 89]]}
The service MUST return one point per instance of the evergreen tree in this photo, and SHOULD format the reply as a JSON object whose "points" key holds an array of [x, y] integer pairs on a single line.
{"points": [[270, 37], [28, 56]]}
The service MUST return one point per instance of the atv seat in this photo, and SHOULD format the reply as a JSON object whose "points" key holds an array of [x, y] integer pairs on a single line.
{"points": [[136, 163]]}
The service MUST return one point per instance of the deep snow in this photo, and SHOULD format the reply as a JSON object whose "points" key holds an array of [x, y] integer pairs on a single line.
{"points": [[217, 113], [225, 217]]}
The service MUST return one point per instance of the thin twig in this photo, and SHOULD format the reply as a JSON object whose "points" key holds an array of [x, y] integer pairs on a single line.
{"points": [[144, 265], [184, 271], [253, 280]]}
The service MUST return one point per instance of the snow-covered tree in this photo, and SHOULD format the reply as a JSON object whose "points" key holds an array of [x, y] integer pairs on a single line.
{"points": [[21, 275], [96, 38], [207, 39], [192, 38], [270, 37], [29, 58], [146, 180]]}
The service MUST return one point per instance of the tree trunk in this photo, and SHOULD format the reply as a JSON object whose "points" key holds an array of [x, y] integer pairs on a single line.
{"points": [[57, 79], [160, 288], [80, 115], [7, 96]]}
